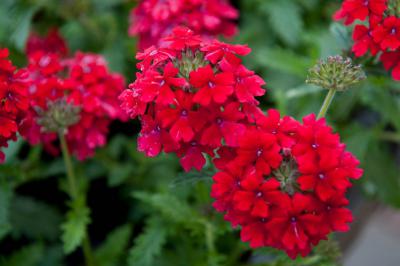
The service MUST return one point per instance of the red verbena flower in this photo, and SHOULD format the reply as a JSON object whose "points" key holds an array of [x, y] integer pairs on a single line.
{"points": [[51, 43], [195, 105], [360, 9], [297, 196], [388, 33], [152, 20], [81, 83], [13, 99]]}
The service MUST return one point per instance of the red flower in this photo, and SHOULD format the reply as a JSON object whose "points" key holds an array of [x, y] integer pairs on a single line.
{"points": [[391, 61], [284, 128], [363, 41], [212, 87], [224, 125], [183, 122], [388, 34], [256, 195], [152, 20], [226, 184], [335, 216], [248, 85], [194, 100], [293, 225], [360, 9], [299, 199], [217, 50], [314, 138], [260, 150], [51, 43], [13, 99], [322, 175], [192, 155], [83, 81]]}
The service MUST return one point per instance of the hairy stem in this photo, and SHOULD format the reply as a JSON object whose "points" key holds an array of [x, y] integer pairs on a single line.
{"points": [[74, 193], [326, 104]]}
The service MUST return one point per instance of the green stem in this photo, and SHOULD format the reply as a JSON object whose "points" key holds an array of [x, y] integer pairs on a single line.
{"points": [[327, 103], [73, 193]]}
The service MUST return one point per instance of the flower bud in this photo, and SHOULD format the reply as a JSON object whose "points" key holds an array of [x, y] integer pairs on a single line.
{"points": [[335, 73], [58, 116]]}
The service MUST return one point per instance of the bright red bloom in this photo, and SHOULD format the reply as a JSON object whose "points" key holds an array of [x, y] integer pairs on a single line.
{"points": [[186, 92], [295, 224], [314, 138], [51, 43], [13, 99], [391, 61], [335, 216], [299, 199], [363, 41], [388, 34], [256, 195], [212, 88], [258, 149], [360, 9], [82, 81], [284, 128], [152, 20]]}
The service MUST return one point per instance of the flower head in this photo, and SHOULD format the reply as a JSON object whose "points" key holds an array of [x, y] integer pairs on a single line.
{"points": [[152, 20], [196, 95]]}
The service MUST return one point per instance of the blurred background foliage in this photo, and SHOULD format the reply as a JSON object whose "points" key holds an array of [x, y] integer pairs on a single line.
{"points": [[146, 212]]}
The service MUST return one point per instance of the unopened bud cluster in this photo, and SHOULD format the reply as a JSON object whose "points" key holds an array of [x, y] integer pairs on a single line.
{"points": [[58, 116], [336, 73]]}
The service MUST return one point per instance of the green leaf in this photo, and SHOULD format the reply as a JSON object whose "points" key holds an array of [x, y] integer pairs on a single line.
{"points": [[27, 256], [283, 60], [34, 219], [169, 206], [111, 251], [285, 19], [22, 22], [74, 227], [5, 198], [148, 245]]}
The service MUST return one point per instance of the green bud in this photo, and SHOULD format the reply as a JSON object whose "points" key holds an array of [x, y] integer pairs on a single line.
{"points": [[190, 61], [58, 116], [335, 73]]}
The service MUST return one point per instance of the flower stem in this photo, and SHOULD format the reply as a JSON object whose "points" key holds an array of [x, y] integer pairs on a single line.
{"points": [[326, 104], [73, 193]]}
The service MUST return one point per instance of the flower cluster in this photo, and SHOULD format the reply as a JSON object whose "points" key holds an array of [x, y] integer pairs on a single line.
{"points": [[192, 96], [377, 30], [282, 181], [75, 96], [152, 20], [13, 99], [285, 183]]}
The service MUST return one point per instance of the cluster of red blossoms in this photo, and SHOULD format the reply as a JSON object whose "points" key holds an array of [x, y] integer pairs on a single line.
{"points": [[377, 33], [192, 97], [152, 20], [282, 181], [81, 85], [285, 183], [14, 102]]}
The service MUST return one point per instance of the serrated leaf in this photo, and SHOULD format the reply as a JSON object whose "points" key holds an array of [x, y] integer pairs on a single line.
{"points": [[285, 19], [34, 219], [5, 199], [113, 248], [27, 256], [148, 245], [169, 206], [74, 227]]}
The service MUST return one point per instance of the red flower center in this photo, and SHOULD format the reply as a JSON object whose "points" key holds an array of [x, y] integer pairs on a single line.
{"points": [[259, 152]]}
